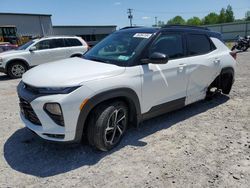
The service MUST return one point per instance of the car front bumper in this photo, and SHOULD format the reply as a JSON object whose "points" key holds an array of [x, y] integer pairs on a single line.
{"points": [[2, 69], [36, 118]]}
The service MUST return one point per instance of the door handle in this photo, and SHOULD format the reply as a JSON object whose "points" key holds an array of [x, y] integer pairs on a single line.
{"points": [[182, 66]]}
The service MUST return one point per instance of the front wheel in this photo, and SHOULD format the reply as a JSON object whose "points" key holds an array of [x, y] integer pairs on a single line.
{"points": [[16, 70], [107, 125]]}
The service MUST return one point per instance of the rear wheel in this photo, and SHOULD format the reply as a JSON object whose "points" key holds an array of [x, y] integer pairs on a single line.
{"points": [[16, 69], [227, 82], [107, 125]]}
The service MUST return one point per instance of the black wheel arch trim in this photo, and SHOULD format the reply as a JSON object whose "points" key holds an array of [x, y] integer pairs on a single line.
{"points": [[128, 94], [227, 70]]}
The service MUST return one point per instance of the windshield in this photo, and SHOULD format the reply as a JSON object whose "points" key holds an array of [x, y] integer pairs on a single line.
{"points": [[118, 48], [25, 46]]}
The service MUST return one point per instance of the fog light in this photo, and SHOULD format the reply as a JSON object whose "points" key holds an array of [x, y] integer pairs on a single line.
{"points": [[55, 112], [53, 108]]}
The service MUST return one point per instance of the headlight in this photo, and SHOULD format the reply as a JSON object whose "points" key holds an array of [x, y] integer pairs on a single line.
{"points": [[40, 90], [55, 112], [57, 90], [1, 59]]}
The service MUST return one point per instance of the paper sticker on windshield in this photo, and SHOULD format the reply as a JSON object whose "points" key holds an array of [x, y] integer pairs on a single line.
{"points": [[124, 58], [143, 35]]}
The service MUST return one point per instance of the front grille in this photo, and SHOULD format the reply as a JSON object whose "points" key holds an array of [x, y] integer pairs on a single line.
{"points": [[28, 112]]}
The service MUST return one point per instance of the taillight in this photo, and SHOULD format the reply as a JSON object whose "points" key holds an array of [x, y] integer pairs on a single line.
{"points": [[234, 55]]}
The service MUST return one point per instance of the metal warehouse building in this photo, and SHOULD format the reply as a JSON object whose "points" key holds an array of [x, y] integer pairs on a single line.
{"points": [[30, 25], [37, 25], [91, 34]]}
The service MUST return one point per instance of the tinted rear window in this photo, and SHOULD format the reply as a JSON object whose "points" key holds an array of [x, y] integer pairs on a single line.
{"points": [[72, 42], [198, 44]]}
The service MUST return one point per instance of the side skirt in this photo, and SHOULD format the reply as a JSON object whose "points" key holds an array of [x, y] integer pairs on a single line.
{"points": [[164, 108]]}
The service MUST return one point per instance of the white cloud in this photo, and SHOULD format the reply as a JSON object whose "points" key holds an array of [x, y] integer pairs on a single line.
{"points": [[117, 3], [145, 17]]}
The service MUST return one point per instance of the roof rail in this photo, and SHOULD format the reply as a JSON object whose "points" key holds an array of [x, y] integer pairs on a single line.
{"points": [[185, 26], [130, 27]]}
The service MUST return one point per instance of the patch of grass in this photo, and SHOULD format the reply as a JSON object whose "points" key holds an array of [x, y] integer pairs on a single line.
{"points": [[229, 44]]}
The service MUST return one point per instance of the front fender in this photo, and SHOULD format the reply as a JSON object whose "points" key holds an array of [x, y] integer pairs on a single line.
{"points": [[128, 94]]}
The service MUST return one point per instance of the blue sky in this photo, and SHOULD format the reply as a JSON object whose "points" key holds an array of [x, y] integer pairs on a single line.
{"points": [[114, 12]]}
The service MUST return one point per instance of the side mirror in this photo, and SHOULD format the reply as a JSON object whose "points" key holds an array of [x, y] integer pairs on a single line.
{"points": [[32, 48], [156, 58]]}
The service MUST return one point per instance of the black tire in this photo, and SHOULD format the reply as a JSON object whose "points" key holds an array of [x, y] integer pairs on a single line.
{"points": [[16, 69], [233, 48], [245, 48], [227, 83], [103, 133]]}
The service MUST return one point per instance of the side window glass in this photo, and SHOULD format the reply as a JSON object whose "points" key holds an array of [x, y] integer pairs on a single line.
{"points": [[42, 45], [72, 42], [56, 43], [198, 44], [169, 44]]}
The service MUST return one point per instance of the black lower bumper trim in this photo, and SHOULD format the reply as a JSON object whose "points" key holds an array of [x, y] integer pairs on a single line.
{"points": [[2, 70]]}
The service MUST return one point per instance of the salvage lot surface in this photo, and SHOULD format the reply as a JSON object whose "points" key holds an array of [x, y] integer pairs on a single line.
{"points": [[205, 144]]}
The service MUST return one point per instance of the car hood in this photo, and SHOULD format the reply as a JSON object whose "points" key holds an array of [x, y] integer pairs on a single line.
{"points": [[11, 52], [69, 72]]}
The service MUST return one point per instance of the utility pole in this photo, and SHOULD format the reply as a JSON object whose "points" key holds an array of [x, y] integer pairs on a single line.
{"points": [[156, 24], [130, 16]]}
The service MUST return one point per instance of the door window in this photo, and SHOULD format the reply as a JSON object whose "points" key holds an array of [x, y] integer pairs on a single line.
{"points": [[43, 45], [169, 44], [72, 42], [57, 43], [198, 44]]}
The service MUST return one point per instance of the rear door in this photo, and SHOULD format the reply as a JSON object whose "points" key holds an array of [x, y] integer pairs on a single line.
{"points": [[203, 65], [58, 50]]}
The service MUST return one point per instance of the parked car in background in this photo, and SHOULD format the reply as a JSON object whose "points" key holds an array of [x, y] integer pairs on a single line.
{"points": [[132, 75], [38, 51], [6, 46]]}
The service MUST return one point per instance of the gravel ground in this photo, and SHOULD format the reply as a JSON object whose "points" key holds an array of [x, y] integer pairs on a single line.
{"points": [[206, 144]]}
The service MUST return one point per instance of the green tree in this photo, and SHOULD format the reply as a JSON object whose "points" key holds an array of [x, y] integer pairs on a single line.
{"points": [[247, 16], [211, 18], [178, 20], [222, 16], [229, 14], [194, 21]]}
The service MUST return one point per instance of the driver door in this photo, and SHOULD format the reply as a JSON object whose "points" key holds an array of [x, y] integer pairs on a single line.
{"points": [[164, 85], [42, 54]]}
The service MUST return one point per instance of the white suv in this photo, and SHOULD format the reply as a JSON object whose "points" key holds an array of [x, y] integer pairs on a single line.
{"points": [[132, 75], [38, 51]]}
